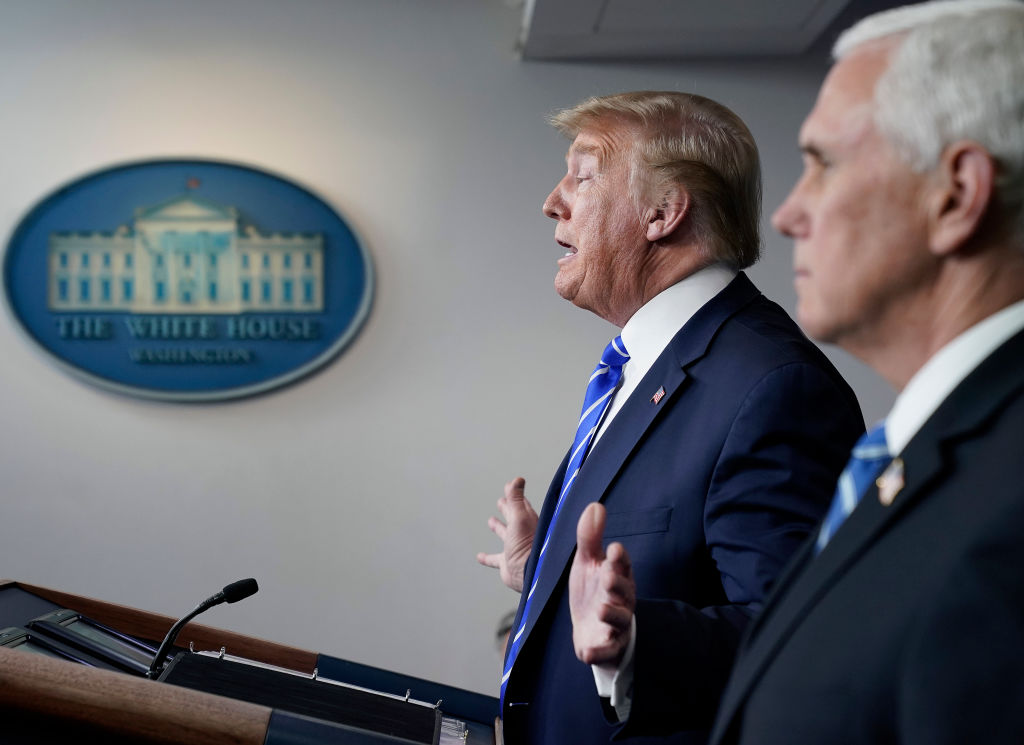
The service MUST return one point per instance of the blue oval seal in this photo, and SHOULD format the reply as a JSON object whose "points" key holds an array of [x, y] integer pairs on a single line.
{"points": [[187, 280]]}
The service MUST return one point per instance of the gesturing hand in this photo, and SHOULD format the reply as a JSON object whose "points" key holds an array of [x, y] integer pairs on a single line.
{"points": [[602, 593], [516, 533]]}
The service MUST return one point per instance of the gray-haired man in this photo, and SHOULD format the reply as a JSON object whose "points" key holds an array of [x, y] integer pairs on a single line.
{"points": [[904, 621]]}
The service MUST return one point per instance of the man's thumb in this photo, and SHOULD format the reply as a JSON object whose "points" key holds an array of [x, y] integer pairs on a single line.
{"points": [[590, 532]]}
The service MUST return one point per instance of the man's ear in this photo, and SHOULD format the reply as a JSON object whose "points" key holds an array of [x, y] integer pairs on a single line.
{"points": [[964, 191], [669, 214]]}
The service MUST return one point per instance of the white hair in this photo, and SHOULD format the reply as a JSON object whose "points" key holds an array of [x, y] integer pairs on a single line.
{"points": [[957, 74]]}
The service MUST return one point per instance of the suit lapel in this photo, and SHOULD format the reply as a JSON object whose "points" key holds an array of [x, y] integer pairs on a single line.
{"points": [[964, 411], [625, 432], [810, 577]]}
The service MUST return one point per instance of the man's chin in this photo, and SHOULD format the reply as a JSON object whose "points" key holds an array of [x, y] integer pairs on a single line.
{"points": [[566, 288], [815, 326]]}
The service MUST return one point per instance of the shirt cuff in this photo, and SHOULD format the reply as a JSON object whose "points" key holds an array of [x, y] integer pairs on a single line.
{"points": [[617, 684]]}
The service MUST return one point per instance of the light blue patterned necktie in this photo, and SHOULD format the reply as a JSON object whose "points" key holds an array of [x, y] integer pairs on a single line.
{"points": [[869, 456], [603, 382]]}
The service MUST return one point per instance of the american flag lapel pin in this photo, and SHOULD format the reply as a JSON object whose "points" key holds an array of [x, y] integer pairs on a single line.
{"points": [[660, 394], [890, 483]]}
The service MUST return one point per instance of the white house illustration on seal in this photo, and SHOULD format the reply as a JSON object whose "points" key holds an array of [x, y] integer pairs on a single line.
{"points": [[186, 255]]}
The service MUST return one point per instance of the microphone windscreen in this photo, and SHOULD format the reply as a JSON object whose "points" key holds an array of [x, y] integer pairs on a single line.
{"points": [[240, 590]]}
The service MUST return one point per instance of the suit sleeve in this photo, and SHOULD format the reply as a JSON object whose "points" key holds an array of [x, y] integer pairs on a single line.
{"points": [[772, 482]]}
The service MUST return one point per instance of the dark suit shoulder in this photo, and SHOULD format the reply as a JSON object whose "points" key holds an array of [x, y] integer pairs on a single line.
{"points": [[770, 339], [771, 328]]}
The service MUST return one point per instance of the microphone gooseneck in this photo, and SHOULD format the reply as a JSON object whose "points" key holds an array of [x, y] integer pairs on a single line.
{"points": [[230, 594]]}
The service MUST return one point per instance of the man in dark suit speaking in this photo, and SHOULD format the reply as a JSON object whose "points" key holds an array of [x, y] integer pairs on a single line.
{"points": [[712, 430], [903, 621]]}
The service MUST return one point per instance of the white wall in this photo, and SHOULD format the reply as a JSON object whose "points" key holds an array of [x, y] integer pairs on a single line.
{"points": [[359, 496]]}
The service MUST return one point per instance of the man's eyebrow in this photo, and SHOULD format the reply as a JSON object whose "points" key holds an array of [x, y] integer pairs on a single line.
{"points": [[587, 149]]}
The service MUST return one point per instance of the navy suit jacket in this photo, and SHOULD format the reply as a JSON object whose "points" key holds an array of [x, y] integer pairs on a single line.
{"points": [[909, 626], [710, 488]]}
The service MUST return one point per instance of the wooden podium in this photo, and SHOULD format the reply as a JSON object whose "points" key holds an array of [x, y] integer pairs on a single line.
{"points": [[49, 700]]}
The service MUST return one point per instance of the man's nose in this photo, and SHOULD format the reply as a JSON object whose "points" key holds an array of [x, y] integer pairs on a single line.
{"points": [[555, 206], [788, 218]]}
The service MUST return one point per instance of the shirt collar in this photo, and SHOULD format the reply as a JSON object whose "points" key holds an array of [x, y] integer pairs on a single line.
{"points": [[652, 327], [946, 369]]}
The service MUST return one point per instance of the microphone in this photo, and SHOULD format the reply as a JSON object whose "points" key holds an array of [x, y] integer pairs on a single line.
{"points": [[232, 593]]}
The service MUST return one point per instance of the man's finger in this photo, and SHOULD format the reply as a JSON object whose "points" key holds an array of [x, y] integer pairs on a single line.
{"points": [[489, 560], [516, 488], [590, 532], [617, 580], [615, 616], [612, 582], [619, 558], [497, 527]]}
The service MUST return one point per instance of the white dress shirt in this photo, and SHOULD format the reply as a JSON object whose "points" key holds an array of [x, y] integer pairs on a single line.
{"points": [[946, 369], [645, 336], [648, 332]]}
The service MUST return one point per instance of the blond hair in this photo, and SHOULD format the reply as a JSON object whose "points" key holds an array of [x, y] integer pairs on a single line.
{"points": [[694, 142]]}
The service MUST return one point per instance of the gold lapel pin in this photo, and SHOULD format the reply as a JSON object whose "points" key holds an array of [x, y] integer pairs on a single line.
{"points": [[890, 483]]}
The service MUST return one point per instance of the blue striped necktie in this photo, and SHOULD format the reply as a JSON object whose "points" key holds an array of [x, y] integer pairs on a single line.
{"points": [[869, 456], [600, 390]]}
